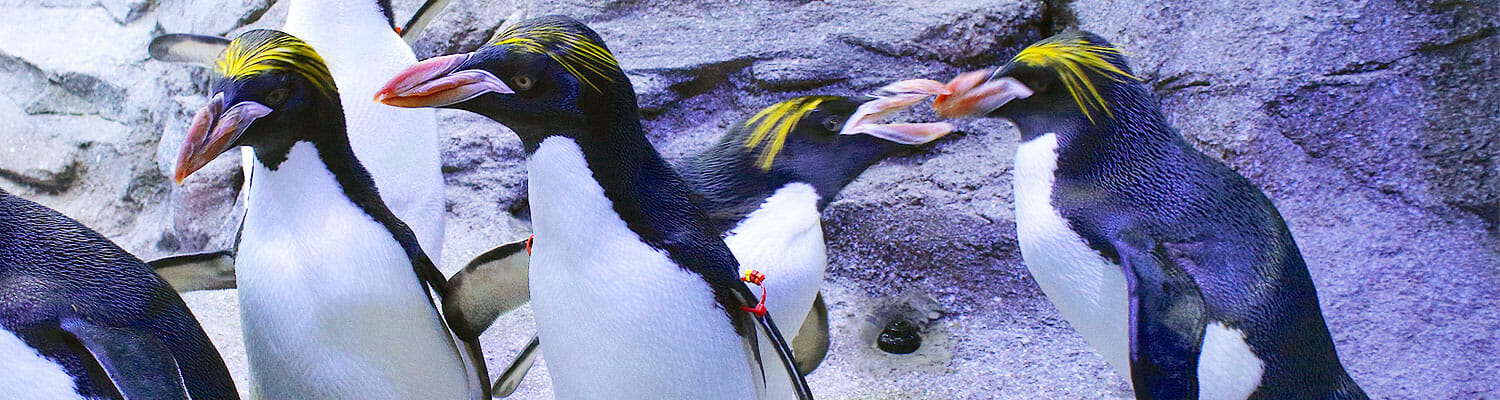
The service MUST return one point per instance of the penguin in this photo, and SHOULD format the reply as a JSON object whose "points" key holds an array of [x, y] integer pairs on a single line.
{"points": [[769, 178], [398, 146], [333, 286], [764, 185], [634, 293], [80, 318], [1174, 267]]}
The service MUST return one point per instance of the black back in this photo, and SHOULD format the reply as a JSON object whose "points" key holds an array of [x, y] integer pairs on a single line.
{"points": [[1130, 178], [53, 268]]}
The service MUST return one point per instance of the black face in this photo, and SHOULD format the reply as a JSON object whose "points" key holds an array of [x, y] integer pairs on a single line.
{"points": [[547, 98], [816, 153], [1066, 82], [298, 110]]}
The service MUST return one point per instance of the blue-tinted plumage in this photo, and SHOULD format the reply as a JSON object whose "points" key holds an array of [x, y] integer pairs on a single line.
{"points": [[54, 270]]}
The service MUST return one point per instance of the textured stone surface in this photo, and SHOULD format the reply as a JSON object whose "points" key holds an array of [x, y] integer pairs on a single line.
{"points": [[1371, 124]]}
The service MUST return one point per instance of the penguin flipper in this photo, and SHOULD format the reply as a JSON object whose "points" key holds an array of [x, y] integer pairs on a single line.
{"points": [[197, 271], [516, 372], [783, 351], [138, 365], [1167, 315], [492, 284], [811, 344], [187, 48]]}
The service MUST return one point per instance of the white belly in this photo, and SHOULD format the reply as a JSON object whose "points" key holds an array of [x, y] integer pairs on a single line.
{"points": [[30, 376], [784, 240], [617, 318], [399, 146], [1087, 290], [329, 304]]}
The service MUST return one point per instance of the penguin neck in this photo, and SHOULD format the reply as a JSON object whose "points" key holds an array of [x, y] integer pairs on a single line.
{"points": [[322, 150], [641, 187], [1133, 131], [336, 14], [730, 185]]}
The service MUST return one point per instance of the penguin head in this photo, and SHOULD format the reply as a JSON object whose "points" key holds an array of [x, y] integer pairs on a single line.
{"points": [[272, 88], [545, 76], [1072, 78], [827, 141]]}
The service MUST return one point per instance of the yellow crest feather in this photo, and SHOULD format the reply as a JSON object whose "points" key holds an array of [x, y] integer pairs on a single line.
{"points": [[587, 60], [1073, 57], [260, 51], [772, 124]]}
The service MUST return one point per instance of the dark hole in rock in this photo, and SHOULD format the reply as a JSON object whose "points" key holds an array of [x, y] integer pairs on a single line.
{"points": [[899, 337]]}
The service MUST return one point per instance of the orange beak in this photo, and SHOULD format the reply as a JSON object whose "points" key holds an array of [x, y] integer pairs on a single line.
{"points": [[436, 82], [212, 131], [894, 98], [974, 93]]}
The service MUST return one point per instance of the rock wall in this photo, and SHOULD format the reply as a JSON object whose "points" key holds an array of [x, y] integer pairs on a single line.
{"points": [[1371, 124]]}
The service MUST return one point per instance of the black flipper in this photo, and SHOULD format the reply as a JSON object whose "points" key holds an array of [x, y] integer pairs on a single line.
{"points": [[799, 384], [1167, 318], [492, 284], [423, 17], [513, 375], [811, 344], [187, 48], [197, 271], [139, 366]]}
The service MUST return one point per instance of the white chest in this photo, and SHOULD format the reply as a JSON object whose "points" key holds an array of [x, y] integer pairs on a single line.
{"points": [[1088, 290], [30, 376], [329, 304], [617, 318], [784, 240], [399, 146]]}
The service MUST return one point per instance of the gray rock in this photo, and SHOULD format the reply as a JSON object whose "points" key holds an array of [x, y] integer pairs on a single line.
{"points": [[126, 11], [797, 73], [189, 16]]}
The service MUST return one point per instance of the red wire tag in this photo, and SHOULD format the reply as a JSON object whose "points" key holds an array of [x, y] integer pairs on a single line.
{"points": [[756, 278], [528, 244]]}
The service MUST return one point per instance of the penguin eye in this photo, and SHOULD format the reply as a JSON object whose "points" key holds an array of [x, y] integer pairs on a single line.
{"points": [[523, 82], [276, 97], [833, 124]]}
